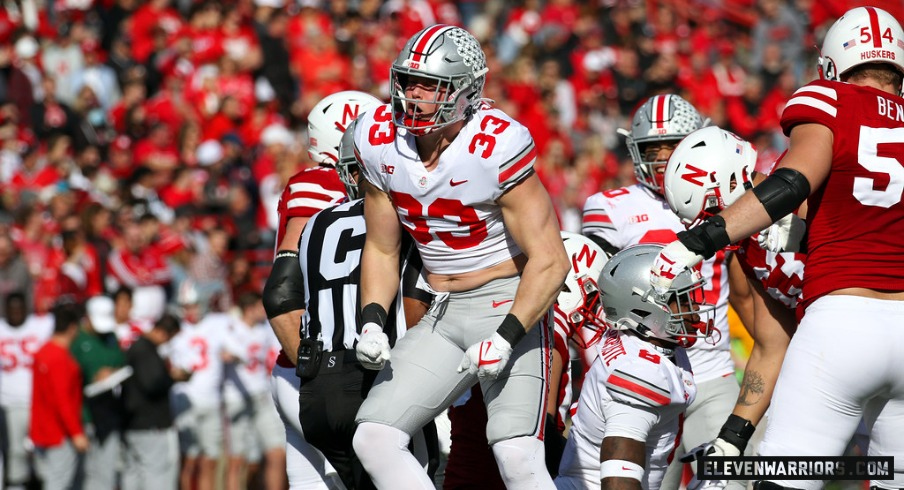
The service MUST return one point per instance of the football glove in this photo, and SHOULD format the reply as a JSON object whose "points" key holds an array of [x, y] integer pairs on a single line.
{"points": [[671, 261], [372, 350], [785, 235], [488, 358], [718, 447]]}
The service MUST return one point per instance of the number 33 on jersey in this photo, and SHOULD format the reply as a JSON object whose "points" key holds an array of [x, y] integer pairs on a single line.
{"points": [[452, 207]]}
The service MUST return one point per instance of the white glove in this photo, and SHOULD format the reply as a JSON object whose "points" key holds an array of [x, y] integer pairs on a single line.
{"points": [[671, 261], [785, 235], [719, 447], [372, 350], [488, 358]]}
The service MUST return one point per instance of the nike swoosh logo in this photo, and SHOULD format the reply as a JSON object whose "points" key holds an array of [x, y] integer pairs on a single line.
{"points": [[497, 304], [453, 183], [626, 469]]}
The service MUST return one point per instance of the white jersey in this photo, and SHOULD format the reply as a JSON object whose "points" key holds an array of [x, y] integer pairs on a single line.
{"points": [[451, 211], [632, 215], [198, 348], [633, 391], [17, 349], [250, 376]]}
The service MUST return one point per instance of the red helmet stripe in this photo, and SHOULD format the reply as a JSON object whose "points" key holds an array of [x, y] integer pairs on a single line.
{"points": [[660, 110], [424, 42], [874, 27]]}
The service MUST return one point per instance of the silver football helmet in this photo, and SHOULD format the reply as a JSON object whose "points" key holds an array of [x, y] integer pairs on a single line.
{"points": [[328, 120], [708, 171], [579, 299], [453, 59], [661, 119], [681, 316], [348, 162]]}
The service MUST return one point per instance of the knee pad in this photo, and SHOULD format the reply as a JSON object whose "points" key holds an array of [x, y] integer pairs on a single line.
{"points": [[373, 442], [521, 461]]}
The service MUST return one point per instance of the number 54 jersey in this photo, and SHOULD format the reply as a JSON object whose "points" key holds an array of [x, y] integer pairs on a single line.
{"points": [[855, 219], [451, 210], [632, 390]]}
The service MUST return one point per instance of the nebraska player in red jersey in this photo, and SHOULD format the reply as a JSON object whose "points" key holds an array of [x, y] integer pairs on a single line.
{"points": [[846, 155], [306, 193]]}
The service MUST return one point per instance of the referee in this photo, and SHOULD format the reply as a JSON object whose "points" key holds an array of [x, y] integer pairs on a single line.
{"points": [[333, 382]]}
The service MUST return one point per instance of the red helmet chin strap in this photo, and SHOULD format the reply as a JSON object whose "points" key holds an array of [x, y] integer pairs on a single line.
{"points": [[702, 327]]}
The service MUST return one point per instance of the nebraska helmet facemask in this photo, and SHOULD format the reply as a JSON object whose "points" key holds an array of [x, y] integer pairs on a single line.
{"points": [[862, 35], [452, 59], [579, 299], [631, 303], [661, 119]]}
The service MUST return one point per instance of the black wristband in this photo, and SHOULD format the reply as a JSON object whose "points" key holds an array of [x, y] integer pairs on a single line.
{"points": [[737, 431], [511, 329], [374, 313], [707, 238]]}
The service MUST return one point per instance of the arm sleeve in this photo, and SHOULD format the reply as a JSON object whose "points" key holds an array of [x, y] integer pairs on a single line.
{"points": [[520, 164], [66, 387], [597, 224], [366, 154], [816, 102], [642, 391], [630, 421]]}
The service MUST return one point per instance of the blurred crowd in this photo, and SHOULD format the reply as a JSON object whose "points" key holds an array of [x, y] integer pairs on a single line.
{"points": [[143, 143]]}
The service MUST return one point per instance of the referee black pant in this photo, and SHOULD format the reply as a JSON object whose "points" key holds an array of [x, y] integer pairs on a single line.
{"points": [[328, 405]]}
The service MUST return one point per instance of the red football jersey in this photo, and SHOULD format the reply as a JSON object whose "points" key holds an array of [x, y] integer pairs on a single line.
{"points": [[855, 219], [308, 191]]}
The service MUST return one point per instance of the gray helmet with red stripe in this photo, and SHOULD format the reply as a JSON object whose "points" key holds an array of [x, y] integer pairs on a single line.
{"points": [[452, 58], [680, 316], [661, 119]]}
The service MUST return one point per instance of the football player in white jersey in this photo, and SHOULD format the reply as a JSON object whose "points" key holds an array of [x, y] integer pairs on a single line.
{"points": [[633, 398], [457, 175], [618, 218], [774, 278], [306, 193], [21, 335], [255, 431], [199, 348]]}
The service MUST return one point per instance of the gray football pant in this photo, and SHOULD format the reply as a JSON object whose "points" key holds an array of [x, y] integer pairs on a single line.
{"points": [[422, 379], [103, 462], [152, 460], [59, 466]]}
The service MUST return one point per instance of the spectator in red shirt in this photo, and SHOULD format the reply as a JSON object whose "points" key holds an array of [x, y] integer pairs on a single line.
{"points": [[56, 406], [156, 14]]}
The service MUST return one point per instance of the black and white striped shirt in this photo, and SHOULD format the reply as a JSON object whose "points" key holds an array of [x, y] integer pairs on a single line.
{"points": [[330, 255]]}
